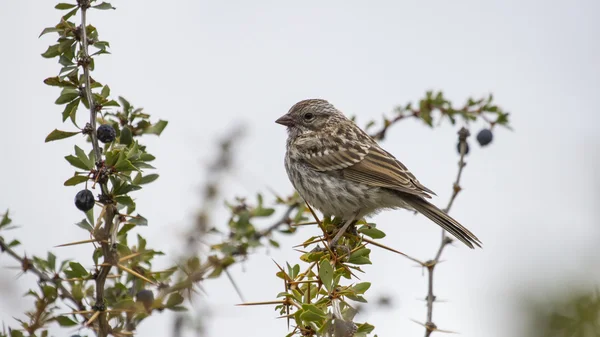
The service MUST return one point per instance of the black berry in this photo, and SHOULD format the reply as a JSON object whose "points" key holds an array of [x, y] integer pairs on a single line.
{"points": [[484, 137], [466, 148], [84, 200], [146, 297], [106, 133]]}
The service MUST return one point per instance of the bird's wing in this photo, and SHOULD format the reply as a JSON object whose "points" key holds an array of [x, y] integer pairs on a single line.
{"points": [[365, 163]]}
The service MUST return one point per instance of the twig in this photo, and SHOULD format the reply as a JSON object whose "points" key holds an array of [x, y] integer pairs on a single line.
{"points": [[28, 266], [283, 220], [103, 234], [429, 325]]}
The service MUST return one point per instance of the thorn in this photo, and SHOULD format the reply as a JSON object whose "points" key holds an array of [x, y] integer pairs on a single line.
{"points": [[392, 250], [234, 285], [80, 242], [135, 274], [93, 318], [130, 256], [261, 303]]}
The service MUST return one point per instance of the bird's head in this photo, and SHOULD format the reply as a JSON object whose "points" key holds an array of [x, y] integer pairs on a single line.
{"points": [[310, 115]]}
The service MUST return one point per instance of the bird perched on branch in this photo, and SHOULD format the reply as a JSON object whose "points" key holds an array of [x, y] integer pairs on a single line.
{"points": [[339, 169]]}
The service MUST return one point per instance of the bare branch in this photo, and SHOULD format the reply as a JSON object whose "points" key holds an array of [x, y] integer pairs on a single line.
{"points": [[462, 138]]}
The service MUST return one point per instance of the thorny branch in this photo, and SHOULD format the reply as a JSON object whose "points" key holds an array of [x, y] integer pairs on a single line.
{"points": [[104, 232], [26, 266], [429, 325]]}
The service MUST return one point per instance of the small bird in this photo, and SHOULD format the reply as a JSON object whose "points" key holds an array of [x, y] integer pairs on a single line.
{"points": [[340, 170]]}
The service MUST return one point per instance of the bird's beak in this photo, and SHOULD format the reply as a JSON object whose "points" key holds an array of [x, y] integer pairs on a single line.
{"points": [[286, 120]]}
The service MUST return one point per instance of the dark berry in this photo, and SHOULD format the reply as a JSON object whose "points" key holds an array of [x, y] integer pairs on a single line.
{"points": [[484, 137], [106, 133], [84, 200], [466, 148], [146, 297]]}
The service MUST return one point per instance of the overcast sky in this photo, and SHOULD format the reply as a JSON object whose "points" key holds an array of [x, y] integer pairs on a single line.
{"points": [[208, 66]]}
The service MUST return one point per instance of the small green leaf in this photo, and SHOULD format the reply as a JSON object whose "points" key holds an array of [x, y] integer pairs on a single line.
{"points": [[157, 128], [6, 220], [51, 52], [360, 288], [104, 5], [105, 91], [85, 225], [83, 158], [365, 328], [138, 220], [76, 162], [75, 180], [326, 274], [372, 232], [13, 243], [16, 333], [148, 179], [65, 321], [71, 110], [58, 134], [309, 316], [262, 212], [49, 30], [124, 166], [174, 300], [78, 269], [66, 98], [126, 136], [64, 6], [274, 243], [70, 14]]}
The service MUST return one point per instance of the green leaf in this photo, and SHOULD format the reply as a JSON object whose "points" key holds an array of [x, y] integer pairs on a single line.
{"points": [[75, 180], [70, 14], [76, 162], [157, 128], [49, 30], [138, 220], [365, 328], [65, 321], [372, 232], [262, 212], [105, 91], [309, 316], [274, 243], [71, 110], [104, 6], [174, 300], [90, 215], [126, 136], [58, 134], [85, 225], [51, 52], [148, 179], [326, 274], [124, 165], [13, 243], [84, 158], [360, 288], [16, 333], [6, 220], [64, 6], [66, 98], [77, 269], [360, 256]]}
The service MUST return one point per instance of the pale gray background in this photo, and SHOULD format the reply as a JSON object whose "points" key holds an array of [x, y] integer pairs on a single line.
{"points": [[207, 66]]}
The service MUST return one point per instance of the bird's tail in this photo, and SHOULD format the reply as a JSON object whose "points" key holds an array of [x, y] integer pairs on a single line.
{"points": [[444, 220]]}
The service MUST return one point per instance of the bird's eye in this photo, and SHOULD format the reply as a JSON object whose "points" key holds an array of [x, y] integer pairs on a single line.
{"points": [[308, 116]]}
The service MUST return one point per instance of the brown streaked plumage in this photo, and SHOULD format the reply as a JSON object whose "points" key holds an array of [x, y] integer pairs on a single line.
{"points": [[340, 170]]}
